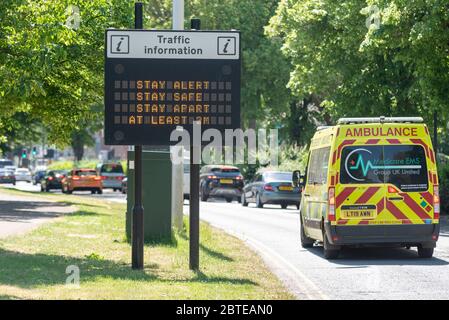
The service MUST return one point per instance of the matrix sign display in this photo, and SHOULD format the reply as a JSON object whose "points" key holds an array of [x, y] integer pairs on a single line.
{"points": [[156, 81]]}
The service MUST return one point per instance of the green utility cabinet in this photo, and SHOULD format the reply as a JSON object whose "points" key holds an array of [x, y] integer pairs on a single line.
{"points": [[156, 196]]}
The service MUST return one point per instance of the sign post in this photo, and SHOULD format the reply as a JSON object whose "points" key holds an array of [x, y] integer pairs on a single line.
{"points": [[137, 234], [159, 80], [194, 199]]}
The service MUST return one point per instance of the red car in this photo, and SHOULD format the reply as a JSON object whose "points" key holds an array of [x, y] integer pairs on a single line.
{"points": [[82, 180]]}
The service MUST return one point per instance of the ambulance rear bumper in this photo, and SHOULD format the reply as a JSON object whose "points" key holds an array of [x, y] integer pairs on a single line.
{"points": [[411, 234]]}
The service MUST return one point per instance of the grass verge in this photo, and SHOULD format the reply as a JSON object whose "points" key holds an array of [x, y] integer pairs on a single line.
{"points": [[33, 266]]}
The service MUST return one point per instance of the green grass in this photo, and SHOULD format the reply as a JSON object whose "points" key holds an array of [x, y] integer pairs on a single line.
{"points": [[33, 265]]}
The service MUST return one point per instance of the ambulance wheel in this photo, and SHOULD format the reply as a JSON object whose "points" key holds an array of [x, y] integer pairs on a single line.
{"points": [[330, 251], [425, 253], [306, 242]]}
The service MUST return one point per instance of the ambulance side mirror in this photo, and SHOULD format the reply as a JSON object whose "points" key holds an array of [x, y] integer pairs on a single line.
{"points": [[296, 178]]}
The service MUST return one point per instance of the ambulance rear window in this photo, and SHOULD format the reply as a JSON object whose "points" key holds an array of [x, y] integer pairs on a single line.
{"points": [[401, 165]]}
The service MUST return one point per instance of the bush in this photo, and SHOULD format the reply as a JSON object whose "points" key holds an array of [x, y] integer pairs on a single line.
{"points": [[84, 164], [443, 177]]}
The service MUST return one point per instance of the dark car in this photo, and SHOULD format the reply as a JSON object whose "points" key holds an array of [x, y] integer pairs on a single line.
{"points": [[53, 180], [271, 187], [125, 186], [218, 181], [6, 176], [38, 176]]}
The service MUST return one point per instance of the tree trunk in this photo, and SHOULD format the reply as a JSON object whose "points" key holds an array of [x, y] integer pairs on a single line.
{"points": [[78, 147]]}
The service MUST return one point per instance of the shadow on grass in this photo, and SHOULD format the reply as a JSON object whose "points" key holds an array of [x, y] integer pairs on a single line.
{"points": [[8, 297], [33, 270], [85, 213], [24, 210], [210, 252], [201, 277]]}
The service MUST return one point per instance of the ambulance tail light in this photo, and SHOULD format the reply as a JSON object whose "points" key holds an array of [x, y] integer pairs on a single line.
{"points": [[331, 204], [436, 202], [392, 189]]}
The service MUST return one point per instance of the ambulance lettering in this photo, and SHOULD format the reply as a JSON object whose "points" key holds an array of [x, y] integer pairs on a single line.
{"points": [[381, 132]]}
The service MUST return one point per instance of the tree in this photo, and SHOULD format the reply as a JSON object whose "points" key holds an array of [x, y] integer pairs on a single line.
{"points": [[357, 68], [265, 71], [50, 64]]}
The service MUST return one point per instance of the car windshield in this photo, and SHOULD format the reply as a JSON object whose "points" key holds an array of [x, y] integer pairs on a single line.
{"points": [[401, 165], [278, 176], [4, 163], [85, 173], [112, 168]]}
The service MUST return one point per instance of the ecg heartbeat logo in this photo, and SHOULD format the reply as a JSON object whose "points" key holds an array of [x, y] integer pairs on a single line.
{"points": [[368, 165]]}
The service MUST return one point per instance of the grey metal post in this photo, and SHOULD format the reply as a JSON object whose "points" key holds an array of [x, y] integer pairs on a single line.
{"points": [[138, 211], [194, 202]]}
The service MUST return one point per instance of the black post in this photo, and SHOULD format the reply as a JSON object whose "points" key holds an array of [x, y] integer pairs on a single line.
{"points": [[435, 134], [137, 218], [194, 200]]}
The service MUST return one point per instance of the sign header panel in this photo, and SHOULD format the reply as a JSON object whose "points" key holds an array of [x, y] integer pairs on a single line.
{"points": [[150, 94], [155, 44]]}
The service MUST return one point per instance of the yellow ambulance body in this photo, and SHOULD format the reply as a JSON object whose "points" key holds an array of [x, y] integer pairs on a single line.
{"points": [[371, 181]]}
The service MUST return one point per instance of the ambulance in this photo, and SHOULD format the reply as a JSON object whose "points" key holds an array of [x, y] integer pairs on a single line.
{"points": [[370, 181]]}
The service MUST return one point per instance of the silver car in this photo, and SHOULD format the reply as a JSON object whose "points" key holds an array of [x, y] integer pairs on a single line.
{"points": [[112, 175], [271, 187], [23, 174]]}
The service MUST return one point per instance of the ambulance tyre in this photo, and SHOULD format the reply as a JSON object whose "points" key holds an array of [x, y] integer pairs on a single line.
{"points": [[425, 253], [306, 242], [330, 251]]}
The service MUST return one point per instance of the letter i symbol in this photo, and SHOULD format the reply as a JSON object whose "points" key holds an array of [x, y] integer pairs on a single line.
{"points": [[119, 44], [225, 49]]}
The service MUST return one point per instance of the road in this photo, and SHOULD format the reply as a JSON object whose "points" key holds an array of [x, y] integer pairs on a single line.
{"points": [[107, 194], [358, 274]]}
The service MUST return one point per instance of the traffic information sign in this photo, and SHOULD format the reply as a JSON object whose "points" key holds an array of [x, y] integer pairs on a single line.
{"points": [[157, 80]]}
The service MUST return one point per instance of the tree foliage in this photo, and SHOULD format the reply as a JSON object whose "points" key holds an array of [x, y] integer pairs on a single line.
{"points": [[368, 58]]}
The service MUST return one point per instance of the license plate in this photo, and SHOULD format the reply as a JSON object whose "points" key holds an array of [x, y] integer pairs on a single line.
{"points": [[226, 181], [286, 188], [358, 214]]}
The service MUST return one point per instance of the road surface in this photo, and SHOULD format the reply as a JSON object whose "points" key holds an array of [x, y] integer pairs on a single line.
{"points": [[358, 274]]}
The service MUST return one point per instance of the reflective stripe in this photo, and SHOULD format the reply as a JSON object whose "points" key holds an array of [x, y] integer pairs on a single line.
{"points": [[346, 192], [395, 211], [367, 195], [394, 141], [415, 207]]}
